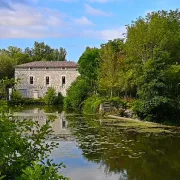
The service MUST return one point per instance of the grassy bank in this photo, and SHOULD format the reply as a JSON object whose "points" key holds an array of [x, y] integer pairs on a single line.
{"points": [[137, 126]]}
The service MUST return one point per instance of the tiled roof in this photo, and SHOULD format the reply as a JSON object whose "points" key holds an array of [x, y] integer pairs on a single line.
{"points": [[48, 64]]}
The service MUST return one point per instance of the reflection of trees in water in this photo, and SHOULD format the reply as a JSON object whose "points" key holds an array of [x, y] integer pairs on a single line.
{"points": [[133, 156]]}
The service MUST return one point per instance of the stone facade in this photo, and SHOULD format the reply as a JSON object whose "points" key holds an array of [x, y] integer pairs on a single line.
{"points": [[35, 80]]}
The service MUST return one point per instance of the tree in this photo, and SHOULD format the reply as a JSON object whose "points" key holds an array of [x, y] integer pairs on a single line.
{"points": [[50, 96], [24, 149], [76, 94], [111, 58], [6, 66], [42, 51], [152, 48], [88, 66]]}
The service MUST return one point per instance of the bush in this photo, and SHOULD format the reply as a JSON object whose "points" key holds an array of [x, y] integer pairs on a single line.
{"points": [[76, 94], [158, 109], [17, 97], [50, 97], [91, 105], [59, 99], [24, 149]]}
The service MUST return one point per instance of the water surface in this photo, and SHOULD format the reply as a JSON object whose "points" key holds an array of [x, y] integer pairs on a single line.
{"points": [[93, 151]]}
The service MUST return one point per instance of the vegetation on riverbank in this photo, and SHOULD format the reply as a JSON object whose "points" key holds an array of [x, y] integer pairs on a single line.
{"points": [[143, 67]]}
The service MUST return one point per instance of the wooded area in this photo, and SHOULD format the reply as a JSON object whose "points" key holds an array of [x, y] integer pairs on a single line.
{"points": [[144, 67]]}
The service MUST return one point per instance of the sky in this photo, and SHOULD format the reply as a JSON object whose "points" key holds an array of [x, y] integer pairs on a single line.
{"points": [[71, 24]]}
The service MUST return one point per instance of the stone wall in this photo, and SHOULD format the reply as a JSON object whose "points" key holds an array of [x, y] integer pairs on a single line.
{"points": [[39, 80]]}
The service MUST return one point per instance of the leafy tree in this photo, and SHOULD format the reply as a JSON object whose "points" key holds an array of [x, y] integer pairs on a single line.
{"points": [[76, 94], [24, 149], [43, 52], [111, 58], [50, 97], [4, 85], [6, 66], [152, 46], [88, 65]]}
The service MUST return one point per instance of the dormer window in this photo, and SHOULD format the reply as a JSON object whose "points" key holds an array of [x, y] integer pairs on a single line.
{"points": [[30, 68], [47, 67], [47, 80], [31, 80]]}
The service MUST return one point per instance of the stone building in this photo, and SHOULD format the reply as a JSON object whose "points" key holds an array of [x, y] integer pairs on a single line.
{"points": [[36, 77]]}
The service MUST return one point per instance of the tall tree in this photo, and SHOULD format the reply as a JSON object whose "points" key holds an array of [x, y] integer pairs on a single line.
{"points": [[152, 46], [6, 66], [111, 57], [88, 66]]}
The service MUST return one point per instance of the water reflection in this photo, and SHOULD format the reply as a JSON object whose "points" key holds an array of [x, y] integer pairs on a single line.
{"points": [[59, 125], [93, 151], [136, 156]]}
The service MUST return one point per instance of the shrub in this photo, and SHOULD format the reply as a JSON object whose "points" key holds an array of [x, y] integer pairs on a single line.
{"points": [[50, 97], [76, 94], [24, 151], [91, 104], [17, 97]]}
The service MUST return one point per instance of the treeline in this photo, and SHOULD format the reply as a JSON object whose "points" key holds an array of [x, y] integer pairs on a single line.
{"points": [[40, 52], [144, 67]]}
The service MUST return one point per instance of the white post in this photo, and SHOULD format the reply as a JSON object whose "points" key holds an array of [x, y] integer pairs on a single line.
{"points": [[10, 93]]}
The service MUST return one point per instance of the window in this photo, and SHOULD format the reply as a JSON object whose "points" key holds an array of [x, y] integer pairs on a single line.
{"points": [[63, 80], [47, 80], [31, 80]]}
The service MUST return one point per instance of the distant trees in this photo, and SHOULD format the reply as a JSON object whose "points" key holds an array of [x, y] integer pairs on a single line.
{"points": [[43, 52], [40, 52]]}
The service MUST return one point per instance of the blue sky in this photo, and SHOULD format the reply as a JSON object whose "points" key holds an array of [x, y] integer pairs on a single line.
{"points": [[72, 24]]}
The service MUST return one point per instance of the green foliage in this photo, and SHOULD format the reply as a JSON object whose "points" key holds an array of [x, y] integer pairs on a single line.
{"points": [[43, 52], [24, 148], [16, 95], [111, 60], [76, 94], [88, 66], [40, 171], [4, 85], [92, 103], [6, 66], [59, 99], [51, 98]]}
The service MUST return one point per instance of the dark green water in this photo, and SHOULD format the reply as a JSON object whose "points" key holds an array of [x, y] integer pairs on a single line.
{"points": [[93, 151]]}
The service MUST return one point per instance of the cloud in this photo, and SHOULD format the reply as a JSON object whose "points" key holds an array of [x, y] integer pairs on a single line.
{"points": [[25, 21], [83, 21], [92, 11], [106, 34]]}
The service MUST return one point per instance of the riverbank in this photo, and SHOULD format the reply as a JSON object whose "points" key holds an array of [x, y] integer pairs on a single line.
{"points": [[135, 125]]}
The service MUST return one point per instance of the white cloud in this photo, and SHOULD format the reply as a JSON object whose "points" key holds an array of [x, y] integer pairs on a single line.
{"points": [[106, 34], [83, 21], [27, 22], [32, 22], [93, 11]]}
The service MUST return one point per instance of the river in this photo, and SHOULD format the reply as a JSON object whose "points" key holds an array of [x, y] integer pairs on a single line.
{"points": [[91, 150]]}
